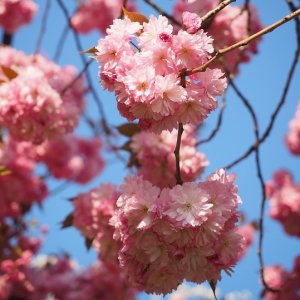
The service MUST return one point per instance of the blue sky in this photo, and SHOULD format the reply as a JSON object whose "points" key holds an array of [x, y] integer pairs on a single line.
{"points": [[261, 80]]}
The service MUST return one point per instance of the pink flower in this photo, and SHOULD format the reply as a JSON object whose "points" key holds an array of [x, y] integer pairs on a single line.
{"points": [[292, 139], [191, 21], [16, 13]]}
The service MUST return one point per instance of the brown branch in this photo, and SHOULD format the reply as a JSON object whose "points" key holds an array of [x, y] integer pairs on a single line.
{"points": [[60, 44], [243, 42], [177, 154], [218, 125], [162, 12], [274, 114], [7, 39], [43, 27], [88, 76], [79, 75], [218, 8]]}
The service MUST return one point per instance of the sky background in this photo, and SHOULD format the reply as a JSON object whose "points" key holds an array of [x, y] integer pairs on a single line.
{"points": [[261, 80]]}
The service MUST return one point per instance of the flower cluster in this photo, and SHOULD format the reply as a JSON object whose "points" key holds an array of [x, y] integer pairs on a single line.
{"points": [[50, 278], [292, 138], [284, 197], [72, 157], [229, 26], [145, 77], [42, 101], [288, 283], [247, 231], [187, 232], [157, 161], [92, 212], [16, 13], [19, 187], [87, 17]]}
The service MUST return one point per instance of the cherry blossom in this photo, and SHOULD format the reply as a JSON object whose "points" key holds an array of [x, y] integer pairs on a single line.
{"points": [[16, 13]]}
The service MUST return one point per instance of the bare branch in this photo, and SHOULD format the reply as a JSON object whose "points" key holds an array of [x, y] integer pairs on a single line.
{"points": [[177, 154], [243, 42], [43, 27]]}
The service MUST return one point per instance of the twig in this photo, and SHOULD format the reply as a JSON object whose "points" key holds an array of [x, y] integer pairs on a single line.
{"points": [[161, 12], [84, 61], [61, 43], [218, 125], [71, 83], [43, 27], [7, 39], [243, 42], [218, 8], [177, 154]]}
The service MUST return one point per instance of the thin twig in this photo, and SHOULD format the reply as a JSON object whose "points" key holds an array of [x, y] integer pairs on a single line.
{"points": [[78, 76], [7, 39], [43, 27], [84, 61], [243, 42], [60, 44], [218, 8], [218, 125], [177, 154], [162, 12]]}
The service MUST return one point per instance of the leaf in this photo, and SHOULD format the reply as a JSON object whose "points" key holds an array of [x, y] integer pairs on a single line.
{"points": [[129, 129], [9, 73], [91, 50], [88, 243], [134, 16], [68, 221], [213, 285], [4, 171]]}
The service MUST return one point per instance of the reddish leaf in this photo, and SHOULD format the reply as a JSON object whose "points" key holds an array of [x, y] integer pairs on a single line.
{"points": [[129, 129], [92, 50], [9, 73], [68, 221], [134, 16]]}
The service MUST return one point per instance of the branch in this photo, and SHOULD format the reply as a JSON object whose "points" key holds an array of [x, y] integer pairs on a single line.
{"points": [[218, 125], [243, 42], [60, 44], [161, 12], [43, 27], [213, 12], [7, 39], [177, 154]]}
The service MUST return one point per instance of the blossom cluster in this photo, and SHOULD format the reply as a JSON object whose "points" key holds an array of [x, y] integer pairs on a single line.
{"points": [[184, 232], [284, 197], [41, 101], [19, 187], [91, 215], [16, 13], [232, 24], [292, 138], [86, 18], [50, 278], [72, 157], [156, 159], [142, 64], [287, 283]]}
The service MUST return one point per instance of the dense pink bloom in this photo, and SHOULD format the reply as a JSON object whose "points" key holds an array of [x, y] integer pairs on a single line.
{"points": [[191, 21], [156, 160], [229, 26], [16, 13], [59, 278], [247, 231], [292, 138], [187, 232], [72, 157], [87, 17], [288, 283], [284, 197], [19, 187], [40, 102], [92, 212], [147, 82]]}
